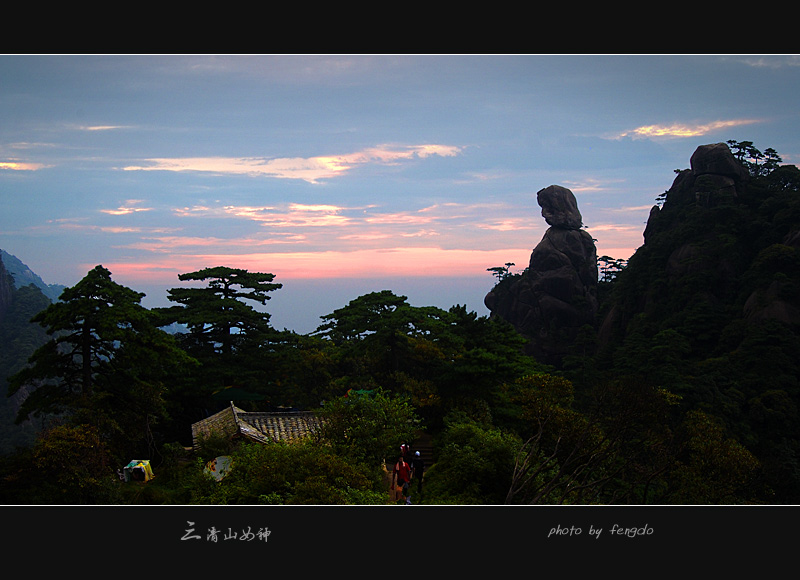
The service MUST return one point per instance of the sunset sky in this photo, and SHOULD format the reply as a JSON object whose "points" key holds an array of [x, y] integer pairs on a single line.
{"points": [[345, 174]]}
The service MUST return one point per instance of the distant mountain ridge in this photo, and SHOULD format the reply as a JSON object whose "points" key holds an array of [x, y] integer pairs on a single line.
{"points": [[23, 276]]}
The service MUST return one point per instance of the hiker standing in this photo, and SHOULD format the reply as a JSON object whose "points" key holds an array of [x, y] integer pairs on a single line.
{"points": [[401, 476], [417, 470]]}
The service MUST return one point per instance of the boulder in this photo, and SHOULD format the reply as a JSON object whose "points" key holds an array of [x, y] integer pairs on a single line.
{"points": [[717, 159], [772, 303], [559, 207]]}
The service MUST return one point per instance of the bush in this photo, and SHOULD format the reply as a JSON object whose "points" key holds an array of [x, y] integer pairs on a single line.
{"points": [[291, 473], [474, 466], [369, 427], [69, 465]]}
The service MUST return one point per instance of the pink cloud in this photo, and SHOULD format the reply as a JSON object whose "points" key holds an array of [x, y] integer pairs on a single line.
{"points": [[368, 263]]}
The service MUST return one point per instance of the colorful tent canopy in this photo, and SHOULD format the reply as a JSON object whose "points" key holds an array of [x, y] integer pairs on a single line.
{"points": [[218, 467], [138, 470]]}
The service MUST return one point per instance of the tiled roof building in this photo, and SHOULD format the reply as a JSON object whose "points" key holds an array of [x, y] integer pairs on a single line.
{"points": [[261, 427]]}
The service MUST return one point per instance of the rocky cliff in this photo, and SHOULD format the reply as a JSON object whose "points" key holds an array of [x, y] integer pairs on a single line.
{"points": [[722, 250], [723, 247], [708, 307], [557, 294]]}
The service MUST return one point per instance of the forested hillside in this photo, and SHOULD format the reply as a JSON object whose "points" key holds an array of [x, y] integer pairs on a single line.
{"points": [[683, 390], [18, 340], [709, 306]]}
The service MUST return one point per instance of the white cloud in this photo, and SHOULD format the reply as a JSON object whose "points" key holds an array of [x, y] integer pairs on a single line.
{"points": [[130, 206], [102, 127], [20, 166], [684, 129], [311, 169]]}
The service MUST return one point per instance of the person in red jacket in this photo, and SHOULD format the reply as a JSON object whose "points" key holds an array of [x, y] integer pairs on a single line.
{"points": [[401, 477]]}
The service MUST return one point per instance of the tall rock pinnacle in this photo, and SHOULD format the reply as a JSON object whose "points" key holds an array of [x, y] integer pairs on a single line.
{"points": [[557, 294]]}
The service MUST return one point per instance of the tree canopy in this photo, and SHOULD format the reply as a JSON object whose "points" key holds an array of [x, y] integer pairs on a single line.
{"points": [[106, 363], [218, 315]]}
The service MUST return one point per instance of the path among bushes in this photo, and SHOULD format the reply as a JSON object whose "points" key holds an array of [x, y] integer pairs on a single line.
{"points": [[424, 444]]}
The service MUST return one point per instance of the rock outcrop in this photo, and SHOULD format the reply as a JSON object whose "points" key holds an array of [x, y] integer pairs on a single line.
{"points": [[722, 247], [557, 294], [683, 252]]}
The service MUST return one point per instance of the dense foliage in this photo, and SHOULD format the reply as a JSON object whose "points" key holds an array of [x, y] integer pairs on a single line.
{"points": [[685, 391]]}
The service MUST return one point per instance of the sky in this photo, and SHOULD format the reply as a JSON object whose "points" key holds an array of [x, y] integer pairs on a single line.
{"points": [[346, 174]]}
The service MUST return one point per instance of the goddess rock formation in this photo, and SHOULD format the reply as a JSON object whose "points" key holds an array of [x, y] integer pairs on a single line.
{"points": [[557, 294]]}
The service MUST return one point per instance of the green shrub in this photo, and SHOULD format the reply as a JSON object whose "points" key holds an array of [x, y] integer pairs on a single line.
{"points": [[474, 465]]}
